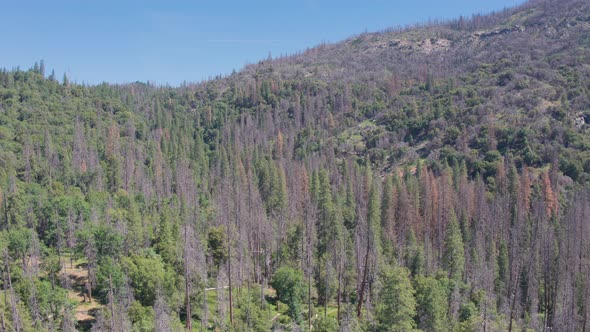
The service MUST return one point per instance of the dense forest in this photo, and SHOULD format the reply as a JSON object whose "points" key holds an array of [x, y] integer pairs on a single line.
{"points": [[432, 178]]}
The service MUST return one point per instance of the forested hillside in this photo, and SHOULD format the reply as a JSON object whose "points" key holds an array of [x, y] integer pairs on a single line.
{"points": [[432, 178]]}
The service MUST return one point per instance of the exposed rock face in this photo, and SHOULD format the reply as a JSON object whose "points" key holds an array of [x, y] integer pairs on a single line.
{"points": [[425, 46], [498, 31]]}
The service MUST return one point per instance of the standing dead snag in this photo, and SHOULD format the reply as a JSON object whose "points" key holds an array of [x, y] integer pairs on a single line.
{"points": [[17, 324], [111, 303], [231, 312], [189, 323]]}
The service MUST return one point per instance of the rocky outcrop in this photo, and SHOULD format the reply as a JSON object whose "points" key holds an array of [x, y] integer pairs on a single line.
{"points": [[498, 31]]}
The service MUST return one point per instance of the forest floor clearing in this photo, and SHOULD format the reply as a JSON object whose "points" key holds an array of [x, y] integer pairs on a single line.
{"points": [[77, 275]]}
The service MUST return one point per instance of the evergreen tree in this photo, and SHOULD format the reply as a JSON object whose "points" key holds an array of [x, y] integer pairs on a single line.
{"points": [[374, 220], [42, 68], [431, 299], [327, 223], [414, 255], [388, 219], [454, 252], [397, 306], [349, 207], [502, 268]]}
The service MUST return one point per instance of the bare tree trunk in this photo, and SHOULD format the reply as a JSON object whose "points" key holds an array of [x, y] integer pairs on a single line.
{"points": [[13, 307], [308, 247], [111, 304], [89, 288], [514, 296], [204, 314], [90, 258], [189, 320], [359, 306], [6, 212], [485, 317], [339, 290], [34, 305], [327, 290], [231, 311]]}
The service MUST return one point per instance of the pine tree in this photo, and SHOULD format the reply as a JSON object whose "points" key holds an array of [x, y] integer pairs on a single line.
{"points": [[414, 255], [454, 252], [388, 219], [326, 213], [374, 220], [42, 68], [279, 197], [349, 208], [431, 298], [502, 268], [329, 240], [397, 306], [371, 258]]}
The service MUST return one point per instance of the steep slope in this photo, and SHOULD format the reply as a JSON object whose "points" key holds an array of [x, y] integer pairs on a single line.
{"points": [[433, 177], [520, 71]]}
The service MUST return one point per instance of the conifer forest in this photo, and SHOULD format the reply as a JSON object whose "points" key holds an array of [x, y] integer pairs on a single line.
{"points": [[427, 178]]}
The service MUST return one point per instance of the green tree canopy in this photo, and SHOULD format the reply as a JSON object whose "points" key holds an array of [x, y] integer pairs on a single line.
{"points": [[290, 287], [397, 306]]}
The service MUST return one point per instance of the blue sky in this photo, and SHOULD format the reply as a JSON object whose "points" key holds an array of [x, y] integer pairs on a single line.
{"points": [[168, 42]]}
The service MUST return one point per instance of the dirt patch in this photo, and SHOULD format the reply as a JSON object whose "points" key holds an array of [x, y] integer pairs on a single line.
{"points": [[77, 274], [84, 316]]}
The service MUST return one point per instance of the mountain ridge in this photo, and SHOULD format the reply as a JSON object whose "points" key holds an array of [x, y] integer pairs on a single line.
{"points": [[434, 178]]}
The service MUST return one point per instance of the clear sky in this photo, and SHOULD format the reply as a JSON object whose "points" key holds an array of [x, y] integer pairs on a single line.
{"points": [[175, 41]]}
